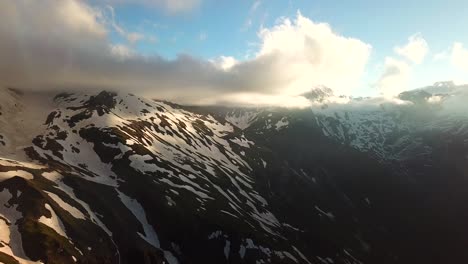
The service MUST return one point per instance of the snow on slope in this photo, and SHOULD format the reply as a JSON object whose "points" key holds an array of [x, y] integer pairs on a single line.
{"points": [[241, 118], [57, 179], [365, 130], [53, 221], [69, 208], [110, 140], [192, 156], [10, 237], [393, 131], [149, 234]]}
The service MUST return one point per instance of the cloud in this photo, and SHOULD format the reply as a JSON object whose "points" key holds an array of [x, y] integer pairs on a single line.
{"points": [[131, 37], [64, 44], [247, 24], [300, 54], [258, 100], [415, 50], [443, 55], [134, 37], [225, 63], [250, 17], [202, 36], [169, 6], [397, 73], [256, 4], [77, 17], [394, 78], [122, 51], [459, 57]]}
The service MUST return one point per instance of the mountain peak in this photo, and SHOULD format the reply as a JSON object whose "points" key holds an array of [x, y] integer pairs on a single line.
{"points": [[444, 84], [319, 93]]}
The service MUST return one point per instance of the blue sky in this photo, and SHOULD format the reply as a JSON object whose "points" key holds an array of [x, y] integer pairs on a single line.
{"points": [[381, 23], [229, 28]]}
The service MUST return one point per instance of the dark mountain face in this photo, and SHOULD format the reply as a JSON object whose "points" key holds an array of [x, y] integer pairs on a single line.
{"points": [[114, 178]]}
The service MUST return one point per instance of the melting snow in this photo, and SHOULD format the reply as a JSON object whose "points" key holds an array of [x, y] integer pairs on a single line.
{"points": [[242, 251], [57, 179], [281, 124], [53, 222], [367, 200], [135, 207], [329, 214], [227, 249], [10, 236], [170, 257], [243, 142], [20, 173], [52, 176], [215, 234], [67, 207], [241, 120]]}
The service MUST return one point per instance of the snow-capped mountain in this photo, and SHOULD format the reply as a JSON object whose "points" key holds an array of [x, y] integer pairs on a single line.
{"points": [[115, 178]]}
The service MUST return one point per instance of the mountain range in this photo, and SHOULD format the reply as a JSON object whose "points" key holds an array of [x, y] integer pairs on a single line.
{"points": [[111, 177]]}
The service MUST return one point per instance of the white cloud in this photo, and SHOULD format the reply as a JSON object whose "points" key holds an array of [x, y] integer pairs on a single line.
{"points": [[396, 73], [131, 37], [134, 37], [169, 6], [247, 24], [394, 78], [63, 44], [443, 55], [415, 50], [250, 17], [77, 16], [225, 63], [459, 57], [256, 4], [122, 51], [153, 39], [301, 54], [202, 36], [258, 100]]}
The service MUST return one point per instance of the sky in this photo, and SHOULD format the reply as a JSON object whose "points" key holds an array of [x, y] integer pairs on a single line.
{"points": [[239, 52]]}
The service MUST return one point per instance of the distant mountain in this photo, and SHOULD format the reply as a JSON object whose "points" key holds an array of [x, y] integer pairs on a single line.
{"points": [[115, 178], [319, 94]]}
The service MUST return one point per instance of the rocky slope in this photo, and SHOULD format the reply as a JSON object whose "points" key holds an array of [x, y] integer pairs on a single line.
{"points": [[115, 178]]}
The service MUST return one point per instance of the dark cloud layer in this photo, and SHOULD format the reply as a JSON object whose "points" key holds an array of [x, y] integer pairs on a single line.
{"points": [[63, 44]]}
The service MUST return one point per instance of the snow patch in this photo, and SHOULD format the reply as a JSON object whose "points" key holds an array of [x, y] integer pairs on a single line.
{"points": [[170, 257], [53, 222], [20, 173], [137, 210], [227, 249], [329, 214], [67, 207], [281, 124]]}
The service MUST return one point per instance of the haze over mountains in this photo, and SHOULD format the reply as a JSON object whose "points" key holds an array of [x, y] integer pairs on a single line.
{"points": [[109, 177]]}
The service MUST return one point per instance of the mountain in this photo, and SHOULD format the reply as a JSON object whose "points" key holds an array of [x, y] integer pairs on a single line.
{"points": [[107, 177]]}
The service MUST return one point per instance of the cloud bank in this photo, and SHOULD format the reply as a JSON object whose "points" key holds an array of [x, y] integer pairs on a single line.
{"points": [[64, 44]]}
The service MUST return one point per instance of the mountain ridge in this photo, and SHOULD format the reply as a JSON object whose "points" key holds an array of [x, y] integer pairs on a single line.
{"points": [[115, 178]]}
